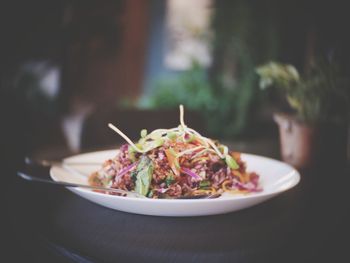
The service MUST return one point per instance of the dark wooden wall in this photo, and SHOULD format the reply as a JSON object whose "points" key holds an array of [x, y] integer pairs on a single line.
{"points": [[106, 50]]}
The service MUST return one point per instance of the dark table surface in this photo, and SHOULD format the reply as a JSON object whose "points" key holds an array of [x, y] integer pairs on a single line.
{"points": [[308, 223]]}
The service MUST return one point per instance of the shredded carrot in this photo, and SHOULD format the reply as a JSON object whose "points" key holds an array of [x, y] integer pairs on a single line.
{"points": [[236, 155], [239, 175], [199, 159], [173, 162]]}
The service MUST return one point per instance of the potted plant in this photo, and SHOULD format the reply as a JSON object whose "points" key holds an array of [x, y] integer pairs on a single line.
{"points": [[315, 131]]}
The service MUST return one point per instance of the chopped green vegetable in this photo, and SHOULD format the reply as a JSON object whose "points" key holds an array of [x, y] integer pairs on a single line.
{"points": [[131, 152], [133, 176], [144, 175], [171, 135], [223, 149], [155, 135], [143, 133], [153, 144], [170, 179], [231, 162], [159, 142], [150, 193], [138, 145], [204, 183], [150, 144]]}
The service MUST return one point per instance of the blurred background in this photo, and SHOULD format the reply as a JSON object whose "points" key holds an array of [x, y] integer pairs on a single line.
{"points": [[67, 68]]}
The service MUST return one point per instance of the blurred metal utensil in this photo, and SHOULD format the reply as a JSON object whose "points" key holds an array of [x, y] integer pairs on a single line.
{"points": [[49, 163], [69, 166], [68, 184]]}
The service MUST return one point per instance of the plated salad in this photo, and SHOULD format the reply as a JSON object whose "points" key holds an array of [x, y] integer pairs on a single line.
{"points": [[175, 163]]}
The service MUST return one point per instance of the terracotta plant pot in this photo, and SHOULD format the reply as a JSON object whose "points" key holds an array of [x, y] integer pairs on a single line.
{"points": [[304, 145]]}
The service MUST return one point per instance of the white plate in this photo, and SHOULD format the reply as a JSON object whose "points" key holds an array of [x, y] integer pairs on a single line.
{"points": [[275, 178]]}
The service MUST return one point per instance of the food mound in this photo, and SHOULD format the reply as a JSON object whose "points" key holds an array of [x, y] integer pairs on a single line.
{"points": [[175, 163]]}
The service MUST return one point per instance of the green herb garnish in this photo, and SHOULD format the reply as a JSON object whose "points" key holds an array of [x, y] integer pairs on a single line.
{"points": [[131, 152], [133, 176], [204, 184], [171, 135], [150, 193], [143, 133], [144, 172], [231, 162], [170, 179]]}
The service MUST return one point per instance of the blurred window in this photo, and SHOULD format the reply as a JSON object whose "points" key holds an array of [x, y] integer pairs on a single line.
{"points": [[187, 33]]}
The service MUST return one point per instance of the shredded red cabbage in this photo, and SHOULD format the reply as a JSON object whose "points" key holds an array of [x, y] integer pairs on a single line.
{"points": [[127, 169], [192, 174]]}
